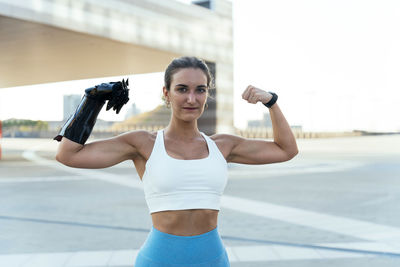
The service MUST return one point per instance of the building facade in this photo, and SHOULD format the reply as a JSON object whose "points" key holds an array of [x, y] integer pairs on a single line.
{"points": [[49, 41]]}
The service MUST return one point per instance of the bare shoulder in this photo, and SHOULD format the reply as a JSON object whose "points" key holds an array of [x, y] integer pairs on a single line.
{"points": [[226, 143], [139, 138], [142, 141], [226, 139]]}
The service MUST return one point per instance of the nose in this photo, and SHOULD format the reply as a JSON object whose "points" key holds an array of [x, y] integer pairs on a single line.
{"points": [[191, 98]]}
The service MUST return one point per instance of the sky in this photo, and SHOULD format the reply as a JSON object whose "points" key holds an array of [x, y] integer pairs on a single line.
{"points": [[335, 66]]}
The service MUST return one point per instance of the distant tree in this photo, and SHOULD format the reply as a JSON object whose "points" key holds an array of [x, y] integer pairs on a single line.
{"points": [[25, 125]]}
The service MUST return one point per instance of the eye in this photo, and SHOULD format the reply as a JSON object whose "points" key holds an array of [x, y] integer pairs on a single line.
{"points": [[182, 89], [201, 90]]}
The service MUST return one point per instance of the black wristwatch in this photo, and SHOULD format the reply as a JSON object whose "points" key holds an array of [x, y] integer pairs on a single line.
{"points": [[272, 101]]}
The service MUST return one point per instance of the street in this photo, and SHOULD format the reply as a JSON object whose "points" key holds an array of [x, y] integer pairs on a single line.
{"points": [[337, 203]]}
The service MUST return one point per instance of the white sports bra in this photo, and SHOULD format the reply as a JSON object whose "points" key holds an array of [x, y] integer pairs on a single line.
{"points": [[176, 184]]}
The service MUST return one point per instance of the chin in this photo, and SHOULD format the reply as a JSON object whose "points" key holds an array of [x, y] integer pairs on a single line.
{"points": [[189, 118]]}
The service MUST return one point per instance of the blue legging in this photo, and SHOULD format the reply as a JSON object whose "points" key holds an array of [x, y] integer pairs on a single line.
{"points": [[165, 250]]}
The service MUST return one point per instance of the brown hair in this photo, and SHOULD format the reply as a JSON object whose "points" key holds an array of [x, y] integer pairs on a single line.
{"points": [[183, 63]]}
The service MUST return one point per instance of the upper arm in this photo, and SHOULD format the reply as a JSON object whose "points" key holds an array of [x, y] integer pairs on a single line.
{"points": [[102, 153], [253, 151]]}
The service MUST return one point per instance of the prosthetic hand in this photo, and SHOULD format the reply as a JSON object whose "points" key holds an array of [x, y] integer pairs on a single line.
{"points": [[79, 125]]}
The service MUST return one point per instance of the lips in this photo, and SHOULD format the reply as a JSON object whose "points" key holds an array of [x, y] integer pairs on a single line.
{"points": [[190, 108]]}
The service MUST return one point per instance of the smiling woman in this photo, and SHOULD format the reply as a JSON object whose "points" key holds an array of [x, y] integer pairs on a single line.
{"points": [[184, 171], [189, 93]]}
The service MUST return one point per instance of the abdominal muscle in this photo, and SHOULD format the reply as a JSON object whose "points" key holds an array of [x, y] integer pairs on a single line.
{"points": [[185, 222]]}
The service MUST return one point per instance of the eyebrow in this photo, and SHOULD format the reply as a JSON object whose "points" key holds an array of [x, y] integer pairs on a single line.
{"points": [[184, 85]]}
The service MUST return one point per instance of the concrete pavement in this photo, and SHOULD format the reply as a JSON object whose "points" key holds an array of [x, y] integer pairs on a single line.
{"points": [[336, 203]]}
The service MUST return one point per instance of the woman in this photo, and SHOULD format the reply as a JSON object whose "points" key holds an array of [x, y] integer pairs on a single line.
{"points": [[184, 172]]}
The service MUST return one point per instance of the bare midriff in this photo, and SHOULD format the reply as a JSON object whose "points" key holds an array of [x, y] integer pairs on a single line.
{"points": [[185, 222]]}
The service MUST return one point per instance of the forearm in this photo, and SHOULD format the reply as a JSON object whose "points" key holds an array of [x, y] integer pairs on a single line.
{"points": [[283, 135]]}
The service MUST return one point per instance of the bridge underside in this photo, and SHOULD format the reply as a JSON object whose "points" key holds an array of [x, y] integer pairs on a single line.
{"points": [[33, 53]]}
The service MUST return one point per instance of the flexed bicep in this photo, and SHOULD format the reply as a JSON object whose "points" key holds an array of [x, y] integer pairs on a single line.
{"points": [[72, 150], [253, 151], [98, 154]]}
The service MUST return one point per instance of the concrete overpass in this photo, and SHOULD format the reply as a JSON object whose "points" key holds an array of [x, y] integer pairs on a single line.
{"points": [[47, 41]]}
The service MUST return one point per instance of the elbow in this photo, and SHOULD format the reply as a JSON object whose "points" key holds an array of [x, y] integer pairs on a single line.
{"points": [[291, 154], [60, 158], [293, 151]]}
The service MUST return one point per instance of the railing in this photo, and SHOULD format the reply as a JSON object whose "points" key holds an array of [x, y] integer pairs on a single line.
{"points": [[261, 133], [267, 133]]}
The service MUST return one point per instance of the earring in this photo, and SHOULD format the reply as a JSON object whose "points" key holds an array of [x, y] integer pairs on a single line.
{"points": [[167, 103], [206, 106]]}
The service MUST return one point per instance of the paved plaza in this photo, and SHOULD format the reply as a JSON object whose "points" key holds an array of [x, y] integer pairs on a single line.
{"points": [[336, 204]]}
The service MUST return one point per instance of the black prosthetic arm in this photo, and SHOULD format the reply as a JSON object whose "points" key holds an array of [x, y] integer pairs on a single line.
{"points": [[80, 124]]}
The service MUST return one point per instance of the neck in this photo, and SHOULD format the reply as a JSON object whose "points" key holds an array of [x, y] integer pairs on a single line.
{"points": [[182, 130]]}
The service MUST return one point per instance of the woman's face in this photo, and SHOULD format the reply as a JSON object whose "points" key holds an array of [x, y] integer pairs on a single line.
{"points": [[187, 94]]}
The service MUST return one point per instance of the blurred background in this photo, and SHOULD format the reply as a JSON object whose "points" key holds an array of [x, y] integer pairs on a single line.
{"points": [[334, 65]]}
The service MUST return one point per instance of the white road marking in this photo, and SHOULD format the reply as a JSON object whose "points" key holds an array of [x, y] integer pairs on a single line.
{"points": [[132, 181], [389, 247], [299, 167], [43, 179], [336, 224]]}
